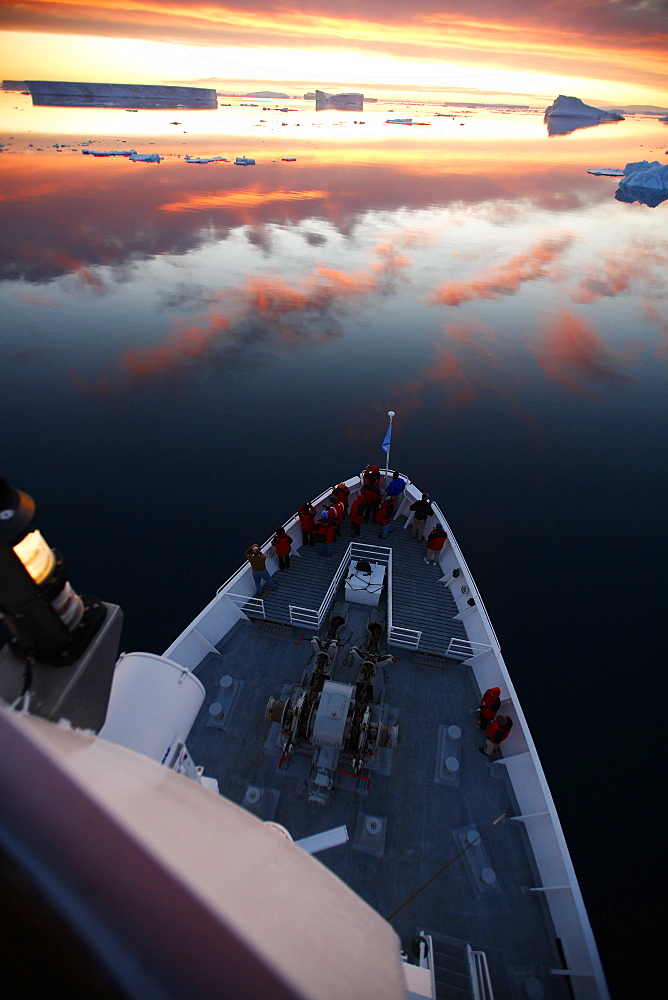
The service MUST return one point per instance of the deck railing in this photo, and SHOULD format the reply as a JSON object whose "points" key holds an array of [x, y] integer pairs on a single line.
{"points": [[312, 617], [481, 984], [248, 604], [464, 649]]}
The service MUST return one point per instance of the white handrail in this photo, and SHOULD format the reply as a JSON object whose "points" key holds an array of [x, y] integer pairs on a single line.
{"points": [[480, 980]]}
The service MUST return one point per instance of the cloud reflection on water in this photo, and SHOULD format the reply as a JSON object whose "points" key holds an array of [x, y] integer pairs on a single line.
{"points": [[572, 353], [60, 216], [282, 258], [242, 324], [507, 278]]}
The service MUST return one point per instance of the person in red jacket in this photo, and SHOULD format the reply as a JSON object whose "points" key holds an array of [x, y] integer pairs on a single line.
{"points": [[371, 475], [371, 494], [342, 493], [497, 732], [384, 516], [336, 512], [282, 543], [325, 533], [355, 514], [435, 541], [306, 514], [490, 703]]}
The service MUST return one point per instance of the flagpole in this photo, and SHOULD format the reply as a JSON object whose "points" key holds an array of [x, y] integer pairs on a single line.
{"points": [[391, 414]]}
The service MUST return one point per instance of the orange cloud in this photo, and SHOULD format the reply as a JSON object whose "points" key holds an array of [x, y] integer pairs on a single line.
{"points": [[605, 39], [506, 279], [250, 198], [614, 273], [570, 352]]}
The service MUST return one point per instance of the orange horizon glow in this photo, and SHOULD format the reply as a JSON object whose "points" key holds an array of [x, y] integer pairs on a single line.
{"points": [[537, 49]]}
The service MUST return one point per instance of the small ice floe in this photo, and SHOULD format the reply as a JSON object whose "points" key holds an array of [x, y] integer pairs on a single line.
{"points": [[606, 171], [244, 161], [145, 157], [644, 182], [205, 159], [110, 152], [399, 121]]}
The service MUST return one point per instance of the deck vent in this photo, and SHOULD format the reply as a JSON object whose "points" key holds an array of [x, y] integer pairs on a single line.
{"points": [[253, 796], [369, 837]]}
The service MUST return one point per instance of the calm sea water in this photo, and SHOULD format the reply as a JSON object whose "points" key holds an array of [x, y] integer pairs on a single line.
{"points": [[191, 351]]}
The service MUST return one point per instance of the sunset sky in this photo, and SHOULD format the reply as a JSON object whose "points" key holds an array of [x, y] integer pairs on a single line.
{"points": [[610, 52]]}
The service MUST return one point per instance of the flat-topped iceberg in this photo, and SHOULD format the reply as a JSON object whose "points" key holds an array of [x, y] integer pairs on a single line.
{"points": [[110, 152], [204, 159], [570, 113], [338, 102], [71, 94]]}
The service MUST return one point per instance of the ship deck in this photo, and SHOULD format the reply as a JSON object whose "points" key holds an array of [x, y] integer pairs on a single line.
{"points": [[425, 809]]}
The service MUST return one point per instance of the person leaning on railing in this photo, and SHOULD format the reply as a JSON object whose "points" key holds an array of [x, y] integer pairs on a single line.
{"points": [[258, 563], [422, 509]]}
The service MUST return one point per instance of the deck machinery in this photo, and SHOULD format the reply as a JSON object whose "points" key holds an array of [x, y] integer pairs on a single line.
{"points": [[346, 728]]}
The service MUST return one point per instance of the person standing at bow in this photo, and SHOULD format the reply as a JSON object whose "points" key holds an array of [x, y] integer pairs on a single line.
{"points": [[336, 512], [371, 496], [422, 509], [282, 544], [497, 732], [435, 541], [342, 493], [325, 533], [355, 514], [307, 515], [258, 563], [490, 703], [384, 516], [396, 486]]}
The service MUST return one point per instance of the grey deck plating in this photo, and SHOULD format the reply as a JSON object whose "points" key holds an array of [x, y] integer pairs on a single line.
{"points": [[425, 811]]}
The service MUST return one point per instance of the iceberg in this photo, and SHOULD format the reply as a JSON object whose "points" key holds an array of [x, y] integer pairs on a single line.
{"points": [[56, 93], [570, 113], [110, 152], [145, 157], [244, 161], [205, 159], [338, 102], [644, 182]]}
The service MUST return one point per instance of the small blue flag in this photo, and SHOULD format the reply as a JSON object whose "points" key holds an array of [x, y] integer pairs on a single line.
{"points": [[386, 443]]}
